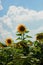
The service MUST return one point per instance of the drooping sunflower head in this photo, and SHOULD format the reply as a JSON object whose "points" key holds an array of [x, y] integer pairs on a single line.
{"points": [[39, 37], [8, 41], [21, 28]]}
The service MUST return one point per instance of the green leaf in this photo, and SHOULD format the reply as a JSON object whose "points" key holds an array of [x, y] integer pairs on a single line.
{"points": [[26, 31], [35, 43], [29, 41], [18, 34], [18, 38], [28, 36]]}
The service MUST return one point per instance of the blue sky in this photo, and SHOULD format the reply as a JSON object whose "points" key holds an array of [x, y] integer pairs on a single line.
{"points": [[14, 12]]}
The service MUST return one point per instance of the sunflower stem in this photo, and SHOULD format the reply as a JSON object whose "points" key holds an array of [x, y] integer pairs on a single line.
{"points": [[23, 36]]}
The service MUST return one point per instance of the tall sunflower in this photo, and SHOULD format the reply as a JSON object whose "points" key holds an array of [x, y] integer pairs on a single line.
{"points": [[21, 28], [8, 42], [39, 37]]}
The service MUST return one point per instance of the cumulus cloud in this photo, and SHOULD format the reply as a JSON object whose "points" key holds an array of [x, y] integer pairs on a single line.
{"points": [[22, 14], [7, 20]]}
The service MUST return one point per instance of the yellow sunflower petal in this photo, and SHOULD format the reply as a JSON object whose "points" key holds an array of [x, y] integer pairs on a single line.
{"points": [[21, 28], [8, 41]]}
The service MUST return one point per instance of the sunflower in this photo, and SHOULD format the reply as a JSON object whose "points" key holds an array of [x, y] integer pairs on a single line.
{"points": [[8, 41], [21, 28], [39, 37]]}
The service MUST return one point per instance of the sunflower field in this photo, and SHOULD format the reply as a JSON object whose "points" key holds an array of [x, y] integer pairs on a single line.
{"points": [[23, 52]]}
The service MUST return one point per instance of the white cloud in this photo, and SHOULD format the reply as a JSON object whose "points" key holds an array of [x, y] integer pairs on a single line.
{"points": [[7, 20], [22, 14], [4, 32], [1, 7]]}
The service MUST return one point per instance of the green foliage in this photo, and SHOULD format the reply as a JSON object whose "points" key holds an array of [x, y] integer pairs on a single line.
{"points": [[24, 55], [18, 34], [18, 38], [28, 36], [14, 56], [23, 36], [26, 31]]}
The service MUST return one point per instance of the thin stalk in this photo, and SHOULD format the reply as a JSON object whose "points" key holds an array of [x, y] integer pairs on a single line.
{"points": [[23, 36]]}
